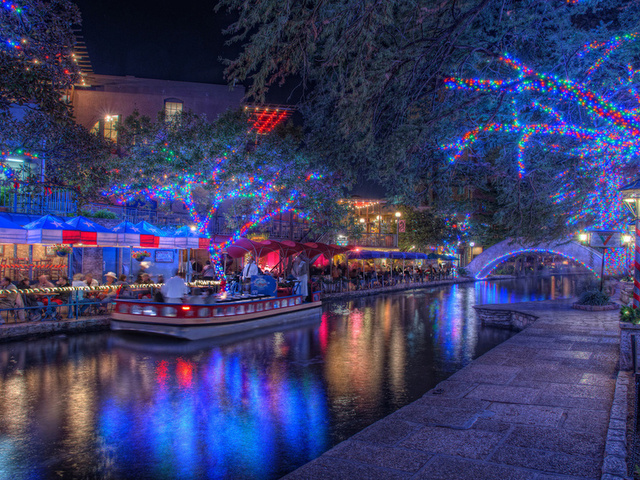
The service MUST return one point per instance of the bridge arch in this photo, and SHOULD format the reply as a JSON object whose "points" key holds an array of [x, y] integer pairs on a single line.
{"points": [[481, 266]]}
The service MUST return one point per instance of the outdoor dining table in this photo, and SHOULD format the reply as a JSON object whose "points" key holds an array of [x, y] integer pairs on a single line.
{"points": [[50, 311]]}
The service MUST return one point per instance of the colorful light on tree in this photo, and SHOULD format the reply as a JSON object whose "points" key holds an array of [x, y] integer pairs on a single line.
{"points": [[268, 198], [594, 120]]}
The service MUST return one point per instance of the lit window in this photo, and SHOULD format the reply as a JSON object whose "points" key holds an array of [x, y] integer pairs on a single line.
{"points": [[108, 127], [111, 127], [172, 108]]}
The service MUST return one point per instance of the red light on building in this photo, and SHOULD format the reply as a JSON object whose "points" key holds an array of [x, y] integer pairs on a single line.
{"points": [[263, 119]]}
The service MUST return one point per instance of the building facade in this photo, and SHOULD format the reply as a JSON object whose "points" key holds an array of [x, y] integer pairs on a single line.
{"points": [[106, 100]]}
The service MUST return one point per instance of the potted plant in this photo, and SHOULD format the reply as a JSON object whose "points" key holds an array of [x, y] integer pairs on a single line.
{"points": [[594, 300], [62, 250], [140, 255]]}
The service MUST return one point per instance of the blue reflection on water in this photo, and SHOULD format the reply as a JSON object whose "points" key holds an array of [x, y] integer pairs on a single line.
{"points": [[220, 417], [116, 406]]}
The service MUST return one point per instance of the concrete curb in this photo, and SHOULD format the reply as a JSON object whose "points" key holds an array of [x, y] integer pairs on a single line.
{"points": [[614, 466]]}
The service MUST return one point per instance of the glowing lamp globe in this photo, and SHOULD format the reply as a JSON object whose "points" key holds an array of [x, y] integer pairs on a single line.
{"points": [[631, 196]]}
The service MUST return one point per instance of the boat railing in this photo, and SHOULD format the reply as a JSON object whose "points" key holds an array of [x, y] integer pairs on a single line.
{"points": [[148, 308]]}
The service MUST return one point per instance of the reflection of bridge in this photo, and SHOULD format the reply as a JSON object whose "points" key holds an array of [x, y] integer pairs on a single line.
{"points": [[483, 264]]}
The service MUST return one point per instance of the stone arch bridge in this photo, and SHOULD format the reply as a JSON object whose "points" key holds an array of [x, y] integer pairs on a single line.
{"points": [[481, 266]]}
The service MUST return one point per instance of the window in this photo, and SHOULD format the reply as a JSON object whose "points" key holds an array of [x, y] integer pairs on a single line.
{"points": [[111, 127], [172, 108], [108, 127]]}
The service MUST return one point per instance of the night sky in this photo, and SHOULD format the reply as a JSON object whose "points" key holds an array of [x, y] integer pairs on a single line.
{"points": [[156, 39], [161, 39]]}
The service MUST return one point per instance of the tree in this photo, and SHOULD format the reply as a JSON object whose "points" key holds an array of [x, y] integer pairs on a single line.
{"points": [[37, 66], [377, 97], [37, 61], [422, 229], [74, 157], [211, 167]]}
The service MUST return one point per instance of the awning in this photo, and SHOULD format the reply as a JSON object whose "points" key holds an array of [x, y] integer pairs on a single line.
{"points": [[313, 250], [12, 232], [49, 230], [184, 237], [371, 254], [128, 235], [162, 240], [241, 247], [92, 233]]}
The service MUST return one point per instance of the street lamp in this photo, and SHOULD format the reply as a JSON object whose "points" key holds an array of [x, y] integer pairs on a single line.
{"points": [[398, 215], [583, 237], [631, 197]]}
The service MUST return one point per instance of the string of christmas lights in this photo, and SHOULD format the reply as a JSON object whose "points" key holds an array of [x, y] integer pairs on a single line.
{"points": [[513, 253], [606, 143], [269, 197]]}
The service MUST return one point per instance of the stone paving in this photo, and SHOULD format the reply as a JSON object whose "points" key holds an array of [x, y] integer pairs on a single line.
{"points": [[535, 407]]}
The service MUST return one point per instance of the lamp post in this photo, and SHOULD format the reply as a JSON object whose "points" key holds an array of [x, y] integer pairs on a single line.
{"points": [[631, 197], [398, 215], [626, 241]]}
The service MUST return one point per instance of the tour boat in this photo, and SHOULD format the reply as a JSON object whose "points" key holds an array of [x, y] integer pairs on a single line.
{"points": [[229, 316]]}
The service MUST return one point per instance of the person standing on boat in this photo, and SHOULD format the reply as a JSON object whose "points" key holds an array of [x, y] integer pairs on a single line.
{"points": [[249, 270], [301, 272], [175, 289]]}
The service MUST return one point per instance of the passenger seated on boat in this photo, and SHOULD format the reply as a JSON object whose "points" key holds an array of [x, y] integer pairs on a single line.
{"points": [[196, 297], [144, 279], [211, 298]]}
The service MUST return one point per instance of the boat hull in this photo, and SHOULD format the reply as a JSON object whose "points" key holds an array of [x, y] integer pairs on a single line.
{"points": [[188, 324]]}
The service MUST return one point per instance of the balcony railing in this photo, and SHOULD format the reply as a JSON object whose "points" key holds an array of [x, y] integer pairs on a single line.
{"points": [[37, 199]]}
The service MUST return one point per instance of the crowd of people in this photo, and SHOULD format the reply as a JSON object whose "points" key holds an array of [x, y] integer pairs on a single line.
{"points": [[358, 276], [29, 300], [302, 277]]}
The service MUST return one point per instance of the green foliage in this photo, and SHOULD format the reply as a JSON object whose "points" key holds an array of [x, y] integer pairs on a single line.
{"points": [[630, 314], [374, 99], [43, 66], [422, 229], [74, 157], [102, 213], [593, 297], [463, 272]]}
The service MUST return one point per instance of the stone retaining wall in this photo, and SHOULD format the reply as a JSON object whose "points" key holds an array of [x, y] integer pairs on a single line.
{"points": [[509, 319], [38, 329], [627, 331]]}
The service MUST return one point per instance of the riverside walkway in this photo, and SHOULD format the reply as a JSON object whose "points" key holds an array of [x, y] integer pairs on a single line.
{"points": [[536, 407]]}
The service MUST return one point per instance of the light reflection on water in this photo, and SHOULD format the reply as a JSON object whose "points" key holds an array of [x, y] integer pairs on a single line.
{"points": [[117, 406]]}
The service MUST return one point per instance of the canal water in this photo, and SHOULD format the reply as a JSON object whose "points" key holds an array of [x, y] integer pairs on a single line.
{"points": [[116, 406]]}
